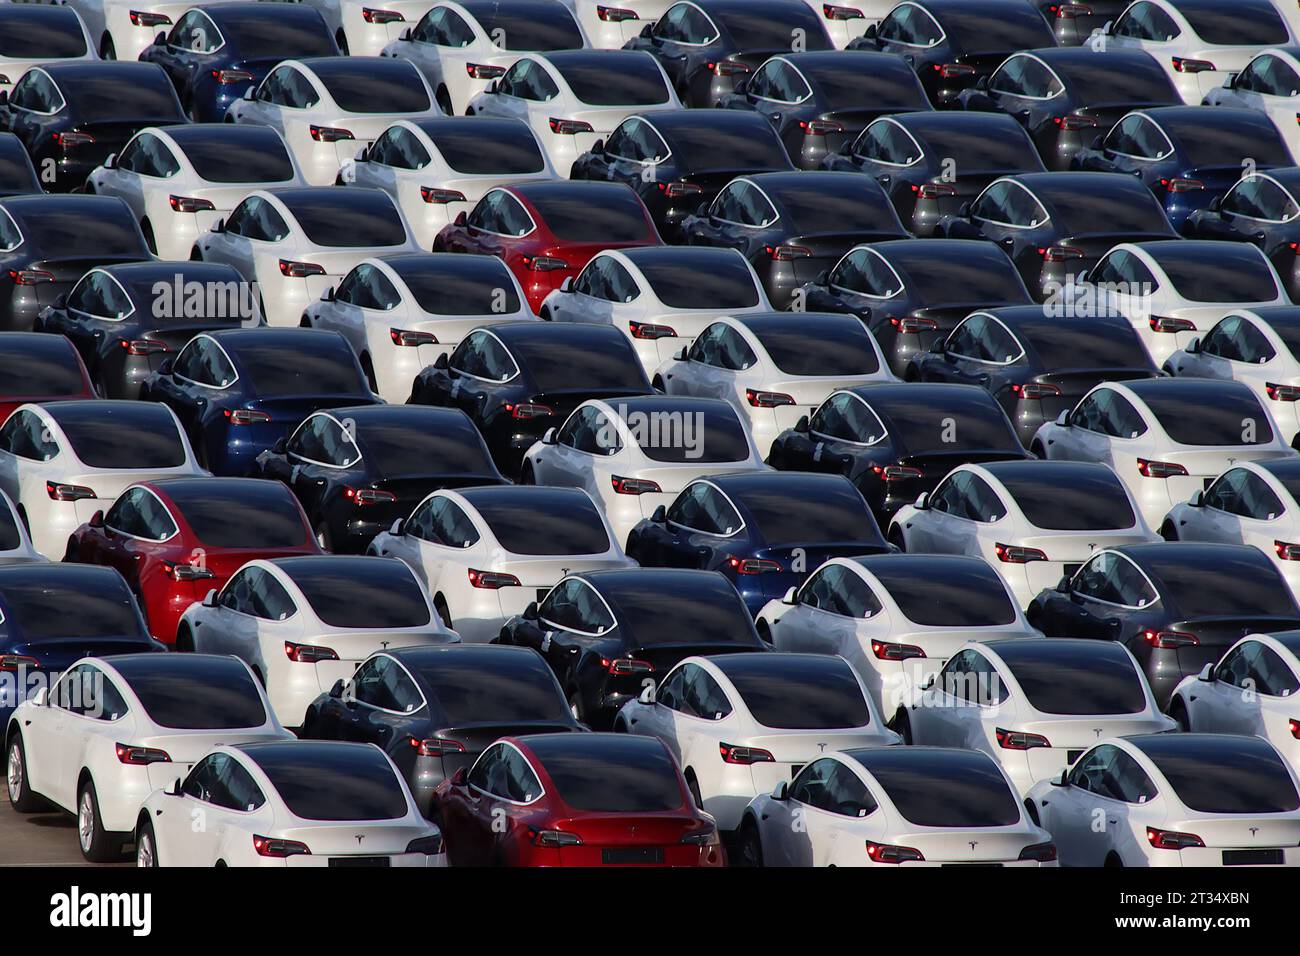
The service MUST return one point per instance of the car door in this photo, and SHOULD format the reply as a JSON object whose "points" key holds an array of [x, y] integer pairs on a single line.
{"points": [[1025, 88], [1229, 703], [696, 525], [199, 822], [377, 703], [1218, 518], [934, 721], [1267, 83], [815, 822], [1080, 814], [232, 626], [1008, 214]]}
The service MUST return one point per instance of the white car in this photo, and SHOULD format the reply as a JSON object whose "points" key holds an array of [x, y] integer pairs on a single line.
{"points": [[328, 108], [847, 20], [400, 313], [572, 98], [1032, 521], [486, 553], [1269, 83], [1173, 800], [1166, 438], [1255, 503], [660, 297], [633, 455], [1252, 346], [462, 47], [64, 461], [437, 169], [295, 244], [113, 730], [122, 29], [1251, 690], [179, 180], [894, 806], [895, 618], [611, 27], [1035, 706], [15, 542], [1170, 290], [361, 29], [291, 803], [766, 715], [303, 623], [35, 35], [1196, 44]]}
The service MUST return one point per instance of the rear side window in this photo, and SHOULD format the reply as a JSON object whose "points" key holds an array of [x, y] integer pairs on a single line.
{"points": [[363, 594]]}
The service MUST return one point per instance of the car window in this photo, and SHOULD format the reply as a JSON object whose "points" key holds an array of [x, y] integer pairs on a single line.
{"points": [[383, 683], [846, 417]]}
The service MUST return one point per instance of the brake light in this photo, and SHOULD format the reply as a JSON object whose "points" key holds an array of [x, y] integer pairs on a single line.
{"points": [[1160, 469], [411, 340], [1166, 323], [491, 580], [381, 16], [230, 77], [246, 416], [544, 263], [526, 410], [12, 663], [831, 12], [437, 747], [728, 68], [753, 565], [744, 755], [1169, 640], [141, 346], [935, 190], [820, 127], [647, 330], [140, 756], [1183, 64], [30, 276], [62, 492], [142, 18], [767, 399], [441, 196], [484, 71], [187, 572], [1060, 253], [300, 270], [706, 835], [568, 127], [785, 253], [1181, 185], [1282, 393], [1172, 839], [1287, 551], [1031, 391], [308, 653], [626, 666], [189, 204], [680, 190], [73, 139], [633, 486], [1074, 123], [886, 651], [330, 134], [429, 846], [1039, 852], [953, 71], [268, 846], [615, 14], [1016, 740], [554, 838], [896, 472], [1011, 554], [884, 853], [912, 324], [369, 496]]}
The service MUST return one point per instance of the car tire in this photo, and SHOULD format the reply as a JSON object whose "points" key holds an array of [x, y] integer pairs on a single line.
{"points": [[443, 99], [107, 49], [1168, 531], [749, 851], [896, 538], [1178, 711], [184, 640], [22, 797], [1032, 812], [693, 786], [341, 39], [440, 605], [97, 844], [146, 844], [902, 725]]}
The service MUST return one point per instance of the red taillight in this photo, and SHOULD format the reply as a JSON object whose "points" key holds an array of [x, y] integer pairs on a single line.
{"points": [[61, 492], [633, 486], [369, 496], [484, 71], [381, 16], [1183, 64], [886, 651], [1293, 725], [12, 663], [1287, 551], [831, 12], [568, 127], [1172, 839], [912, 324], [753, 565], [1282, 393], [268, 846], [615, 14], [554, 838], [409, 339], [230, 77], [934, 190], [1039, 852], [189, 204], [330, 134], [743, 755], [1011, 554], [246, 416], [544, 264], [820, 127], [1016, 740], [953, 71], [1073, 123], [767, 399], [885, 853], [73, 139], [1167, 323], [1059, 253], [491, 580], [680, 190], [786, 253], [728, 68], [140, 756], [308, 653], [626, 666], [527, 410], [1181, 185], [647, 330], [896, 472], [142, 347], [441, 196], [30, 276], [436, 747], [1160, 469], [1169, 640], [187, 572], [1031, 391], [300, 270], [142, 18]]}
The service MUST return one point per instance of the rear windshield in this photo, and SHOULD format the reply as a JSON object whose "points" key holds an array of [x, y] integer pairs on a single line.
{"points": [[983, 276], [9, 537], [16, 173], [50, 612], [844, 89], [840, 348], [342, 220], [1238, 25], [1246, 778], [134, 96], [471, 153], [922, 428], [820, 696], [77, 231], [521, 526], [976, 795], [1004, 152], [704, 148], [481, 289], [38, 38], [347, 784], [1094, 683], [1226, 585], [277, 375], [533, 33], [702, 617], [623, 779], [1091, 344], [136, 438], [226, 159], [40, 372], [556, 365], [814, 209], [1224, 142], [954, 597], [255, 516], [1079, 212], [363, 594], [201, 700], [996, 30], [1288, 332], [397, 449], [261, 37], [1085, 501], [830, 511], [713, 282], [470, 690], [607, 217], [758, 30], [702, 435], [1099, 82], [373, 90], [1222, 275], [631, 81], [1230, 418]]}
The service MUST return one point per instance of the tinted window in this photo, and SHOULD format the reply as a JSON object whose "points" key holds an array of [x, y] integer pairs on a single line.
{"points": [[1221, 585], [628, 81], [135, 94], [399, 448], [1079, 211], [823, 348], [1237, 775], [340, 217], [985, 31], [255, 156], [964, 595], [468, 151], [708, 282], [1242, 25], [220, 695], [702, 148], [624, 776], [1098, 81], [135, 435], [607, 217], [40, 35], [1228, 139], [45, 368], [1218, 274], [1103, 681], [464, 287], [333, 783], [800, 694], [1218, 417], [811, 208], [918, 426], [373, 87], [1073, 500], [843, 87], [760, 30], [251, 515], [330, 371], [1091, 344], [528, 524], [525, 30], [260, 36], [716, 435], [557, 364], [824, 511], [364, 594], [74, 230], [956, 791], [708, 615], [473, 688], [42, 611]]}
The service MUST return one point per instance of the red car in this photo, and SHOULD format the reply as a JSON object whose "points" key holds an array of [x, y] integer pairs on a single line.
{"points": [[38, 367], [176, 539], [575, 800], [545, 231]]}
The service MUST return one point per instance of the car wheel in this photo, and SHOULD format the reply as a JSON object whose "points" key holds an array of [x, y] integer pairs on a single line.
{"points": [[1038, 450], [1032, 812], [902, 725], [146, 845], [896, 538], [1113, 860], [1168, 531], [341, 39], [750, 851], [368, 367], [444, 101], [1178, 711], [149, 239], [107, 51], [526, 475], [20, 794], [97, 844], [693, 786], [184, 640]]}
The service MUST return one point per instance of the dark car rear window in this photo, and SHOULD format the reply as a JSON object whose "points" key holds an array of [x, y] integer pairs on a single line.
{"points": [[1003, 27], [822, 348], [556, 365], [533, 32], [1237, 775], [628, 81], [344, 783], [275, 374], [1099, 83], [87, 231], [512, 153], [703, 148], [396, 449], [921, 428], [363, 594], [16, 173], [845, 87], [822, 512], [623, 777], [256, 157], [703, 435], [135, 435], [376, 88], [1218, 274], [1225, 141], [256, 515], [710, 282], [461, 288], [260, 35], [1099, 681], [1083, 501], [801, 694], [42, 370], [953, 596], [815, 208], [532, 525], [130, 95], [980, 151], [1079, 212], [471, 689], [55, 611], [760, 29], [1063, 345], [31, 36], [1238, 25], [979, 275], [341, 217], [1222, 585], [606, 217], [951, 793], [1221, 417], [219, 696], [699, 616]]}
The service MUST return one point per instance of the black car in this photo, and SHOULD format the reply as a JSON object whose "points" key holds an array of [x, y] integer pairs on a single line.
{"points": [[1057, 225], [913, 292], [558, 366], [124, 319], [792, 226], [17, 174], [605, 632], [73, 116], [895, 441], [1066, 96], [357, 470], [1074, 23], [1035, 364], [216, 52], [1177, 606], [48, 242], [433, 710], [680, 159], [39, 368], [705, 46], [764, 532], [820, 102], [952, 43], [1261, 208], [931, 162]]}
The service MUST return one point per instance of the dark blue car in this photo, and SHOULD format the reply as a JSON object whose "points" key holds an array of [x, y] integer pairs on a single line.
{"points": [[215, 53], [763, 531], [238, 391]]}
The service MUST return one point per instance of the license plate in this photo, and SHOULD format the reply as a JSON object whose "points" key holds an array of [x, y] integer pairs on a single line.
{"points": [[1072, 755], [632, 854], [794, 770], [360, 861], [1252, 857]]}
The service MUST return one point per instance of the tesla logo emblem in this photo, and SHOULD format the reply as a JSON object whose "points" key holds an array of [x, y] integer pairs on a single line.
{"points": [[563, 571], [384, 644], [631, 829], [1092, 545], [1254, 830], [973, 845], [359, 839], [822, 747], [1232, 461], [1097, 731]]}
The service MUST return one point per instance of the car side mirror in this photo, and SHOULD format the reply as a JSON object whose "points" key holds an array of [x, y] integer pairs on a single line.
{"points": [[871, 32], [460, 219], [647, 31], [801, 425], [250, 93], [823, 278], [1194, 346], [1063, 419], [647, 695], [97, 519], [4, 97], [281, 446], [41, 698], [327, 295], [1063, 780], [530, 612], [1063, 585], [1096, 142], [161, 38], [549, 437], [405, 35], [1206, 674], [442, 362], [210, 599], [174, 790], [791, 596], [567, 284], [660, 515], [680, 354], [922, 502], [598, 147], [963, 210], [399, 528], [982, 83], [219, 226], [337, 690], [1215, 204], [460, 777], [165, 366], [781, 792], [740, 85], [111, 161], [1197, 500], [491, 88]]}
